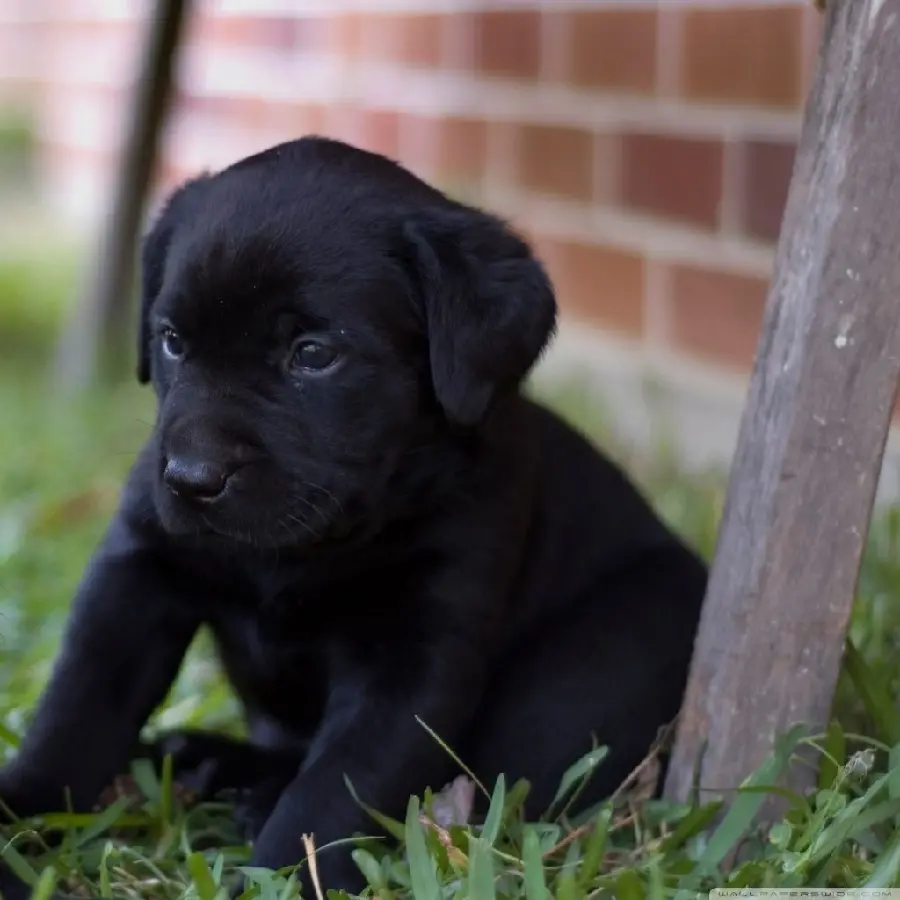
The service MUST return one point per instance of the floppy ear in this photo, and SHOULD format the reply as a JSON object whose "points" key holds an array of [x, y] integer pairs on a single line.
{"points": [[154, 250], [489, 307]]}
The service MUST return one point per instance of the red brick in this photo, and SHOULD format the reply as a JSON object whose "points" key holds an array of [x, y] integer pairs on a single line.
{"points": [[344, 34], [375, 130], [612, 49], [308, 118], [167, 177], [286, 120], [415, 40], [284, 33], [751, 55], [381, 132], [344, 122], [249, 112], [507, 43], [767, 177], [463, 147], [607, 168], [555, 160], [675, 178], [715, 315], [600, 285], [445, 147]]}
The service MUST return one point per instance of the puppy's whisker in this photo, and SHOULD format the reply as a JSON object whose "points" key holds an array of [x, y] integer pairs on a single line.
{"points": [[316, 509], [302, 524], [326, 492]]}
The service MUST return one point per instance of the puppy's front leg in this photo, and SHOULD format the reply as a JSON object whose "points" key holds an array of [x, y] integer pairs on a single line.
{"points": [[125, 639], [371, 736]]}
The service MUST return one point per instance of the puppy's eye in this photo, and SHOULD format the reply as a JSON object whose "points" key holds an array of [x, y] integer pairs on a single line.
{"points": [[172, 344], [314, 355]]}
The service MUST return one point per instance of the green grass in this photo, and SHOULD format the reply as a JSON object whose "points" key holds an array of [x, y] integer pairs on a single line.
{"points": [[17, 143], [62, 464]]}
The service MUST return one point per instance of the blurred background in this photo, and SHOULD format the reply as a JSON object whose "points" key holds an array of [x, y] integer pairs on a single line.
{"points": [[645, 148]]}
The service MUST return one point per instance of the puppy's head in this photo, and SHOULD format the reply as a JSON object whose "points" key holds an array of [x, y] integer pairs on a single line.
{"points": [[312, 317]]}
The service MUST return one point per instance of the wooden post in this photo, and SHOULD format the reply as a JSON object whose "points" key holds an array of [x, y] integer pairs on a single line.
{"points": [[100, 324], [814, 427]]}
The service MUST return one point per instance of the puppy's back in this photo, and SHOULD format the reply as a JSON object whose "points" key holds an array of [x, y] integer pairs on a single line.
{"points": [[592, 523]]}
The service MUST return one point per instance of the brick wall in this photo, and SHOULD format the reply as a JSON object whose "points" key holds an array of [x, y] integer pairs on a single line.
{"points": [[645, 147]]}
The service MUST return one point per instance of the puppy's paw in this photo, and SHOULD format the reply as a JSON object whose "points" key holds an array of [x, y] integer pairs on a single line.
{"points": [[209, 764], [253, 806], [201, 761]]}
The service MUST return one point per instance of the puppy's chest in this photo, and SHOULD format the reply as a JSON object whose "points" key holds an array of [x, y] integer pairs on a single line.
{"points": [[285, 635], [275, 665], [279, 648]]}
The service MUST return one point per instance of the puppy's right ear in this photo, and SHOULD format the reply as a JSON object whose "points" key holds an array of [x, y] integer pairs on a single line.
{"points": [[154, 251]]}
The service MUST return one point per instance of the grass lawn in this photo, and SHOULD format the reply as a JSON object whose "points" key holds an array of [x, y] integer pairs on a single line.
{"points": [[61, 462]]}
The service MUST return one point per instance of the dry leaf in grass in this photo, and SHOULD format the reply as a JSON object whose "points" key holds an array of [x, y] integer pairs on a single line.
{"points": [[122, 786], [453, 804], [76, 886], [309, 846], [126, 786]]}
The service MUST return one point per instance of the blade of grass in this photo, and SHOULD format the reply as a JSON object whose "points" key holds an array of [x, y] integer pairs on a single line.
{"points": [[833, 756], [494, 818], [146, 779], [874, 695], [394, 828], [421, 866], [579, 770], [629, 886], [452, 754], [886, 871], [596, 846], [166, 792], [691, 825], [481, 871], [46, 885], [202, 877], [741, 813], [533, 860], [894, 772], [102, 822], [105, 881]]}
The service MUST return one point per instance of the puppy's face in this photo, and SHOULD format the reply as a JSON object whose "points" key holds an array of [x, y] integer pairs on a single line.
{"points": [[313, 318]]}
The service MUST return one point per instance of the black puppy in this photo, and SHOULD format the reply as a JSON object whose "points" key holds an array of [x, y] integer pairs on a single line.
{"points": [[346, 485]]}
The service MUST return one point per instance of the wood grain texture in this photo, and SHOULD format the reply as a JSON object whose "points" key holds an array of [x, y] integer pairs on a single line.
{"points": [[815, 423]]}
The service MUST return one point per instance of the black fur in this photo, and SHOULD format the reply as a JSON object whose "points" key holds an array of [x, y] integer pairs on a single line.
{"points": [[402, 534]]}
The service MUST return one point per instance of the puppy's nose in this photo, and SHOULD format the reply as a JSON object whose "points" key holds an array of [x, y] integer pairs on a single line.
{"points": [[195, 479]]}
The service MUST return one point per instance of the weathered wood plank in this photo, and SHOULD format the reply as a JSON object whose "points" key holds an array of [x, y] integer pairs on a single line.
{"points": [[815, 423], [100, 323]]}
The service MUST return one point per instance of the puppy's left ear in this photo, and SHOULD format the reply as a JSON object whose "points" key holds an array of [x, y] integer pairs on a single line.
{"points": [[489, 307]]}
